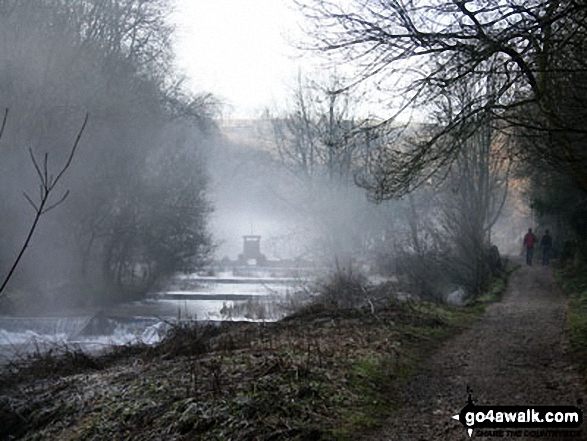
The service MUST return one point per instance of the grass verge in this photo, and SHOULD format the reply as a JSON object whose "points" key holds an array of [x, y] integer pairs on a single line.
{"points": [[498, 284], [573, 281], [322, 374]]}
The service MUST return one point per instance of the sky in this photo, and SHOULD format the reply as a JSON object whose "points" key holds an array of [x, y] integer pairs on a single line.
{"points": [[239, 51]]}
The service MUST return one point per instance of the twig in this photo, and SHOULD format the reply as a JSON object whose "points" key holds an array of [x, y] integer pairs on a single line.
{"points": [[47, 184], [4, 122]]}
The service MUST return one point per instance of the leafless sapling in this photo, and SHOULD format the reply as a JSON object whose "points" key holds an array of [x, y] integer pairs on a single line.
{"points": [[47, 184]]}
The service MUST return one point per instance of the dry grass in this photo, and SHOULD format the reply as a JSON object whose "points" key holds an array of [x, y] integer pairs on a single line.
{"points": [[324, 373]]}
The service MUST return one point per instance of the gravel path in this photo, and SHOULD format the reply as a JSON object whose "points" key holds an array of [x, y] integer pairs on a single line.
{"points": [[514, 355]]}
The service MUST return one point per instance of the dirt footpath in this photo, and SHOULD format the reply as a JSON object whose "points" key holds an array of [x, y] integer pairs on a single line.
{"points": [[514, 355]]}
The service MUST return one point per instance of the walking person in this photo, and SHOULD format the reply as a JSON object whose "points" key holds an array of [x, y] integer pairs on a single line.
{"points": [[529, 241], [546, 245]]}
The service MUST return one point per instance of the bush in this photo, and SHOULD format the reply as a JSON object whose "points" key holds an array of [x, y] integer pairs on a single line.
{"points": [[344, 288], [425, 275], [432, 275]]}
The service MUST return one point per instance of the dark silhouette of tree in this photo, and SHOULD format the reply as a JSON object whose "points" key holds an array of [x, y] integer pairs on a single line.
{"points": [[47, 184], [113, 60], [532, 53]]}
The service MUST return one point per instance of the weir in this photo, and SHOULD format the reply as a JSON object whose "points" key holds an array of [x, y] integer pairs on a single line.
{"points": [[45, 325], [22, 335], [226, 296]]}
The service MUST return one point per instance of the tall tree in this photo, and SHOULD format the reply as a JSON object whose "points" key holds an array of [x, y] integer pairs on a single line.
{"points": [[474, 194], [319, 140], [315, 136], [142, 157], [532, 51]]}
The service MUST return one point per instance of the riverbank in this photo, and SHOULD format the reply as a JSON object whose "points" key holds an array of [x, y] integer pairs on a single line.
{"points": [[321, 374]]}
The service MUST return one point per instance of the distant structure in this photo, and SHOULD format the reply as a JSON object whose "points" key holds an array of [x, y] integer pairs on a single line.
{"points": [[252, 251], [252, 258]]}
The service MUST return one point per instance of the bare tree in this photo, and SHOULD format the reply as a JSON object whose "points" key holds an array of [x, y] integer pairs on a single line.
{"points": [[474, 195], [452, 245], [115, 60], [417, 51], [317, 139], [316, 136]]}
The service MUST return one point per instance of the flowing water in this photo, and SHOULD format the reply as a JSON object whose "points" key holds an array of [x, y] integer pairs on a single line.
{"points": [[254, 295]]}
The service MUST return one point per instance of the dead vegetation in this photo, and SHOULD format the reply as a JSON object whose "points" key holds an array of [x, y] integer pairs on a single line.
{"points": [[345, 288], [324, 373]]}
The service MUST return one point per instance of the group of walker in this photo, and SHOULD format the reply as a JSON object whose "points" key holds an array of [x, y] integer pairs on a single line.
{"points": [[545, 243]]}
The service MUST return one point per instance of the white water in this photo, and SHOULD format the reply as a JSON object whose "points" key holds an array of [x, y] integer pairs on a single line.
{"points": [[190, 297], [22, 336]]}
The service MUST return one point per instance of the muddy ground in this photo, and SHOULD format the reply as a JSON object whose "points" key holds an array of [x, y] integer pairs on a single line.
{"points": [[514, 354]]}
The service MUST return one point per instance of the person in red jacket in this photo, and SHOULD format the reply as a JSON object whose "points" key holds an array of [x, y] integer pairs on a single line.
{"points": [[529, 241]]}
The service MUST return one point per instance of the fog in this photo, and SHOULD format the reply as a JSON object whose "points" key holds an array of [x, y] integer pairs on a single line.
{"points": [[345, 263], [144, 142], [161, 184], [255, 193]]}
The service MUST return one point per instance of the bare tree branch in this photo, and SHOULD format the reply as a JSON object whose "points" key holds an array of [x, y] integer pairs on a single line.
{"points": [[4, 122], [531, 50], [47, 184]]}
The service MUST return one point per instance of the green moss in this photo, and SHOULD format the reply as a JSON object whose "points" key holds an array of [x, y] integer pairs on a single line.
{"points": [[377, 380]]}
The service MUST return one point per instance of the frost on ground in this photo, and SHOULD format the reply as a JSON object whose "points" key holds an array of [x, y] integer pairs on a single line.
{"points": [[388, 373]]}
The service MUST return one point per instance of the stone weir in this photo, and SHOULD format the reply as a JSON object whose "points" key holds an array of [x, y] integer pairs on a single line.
{"points": [[226, 288], [73, 328]]}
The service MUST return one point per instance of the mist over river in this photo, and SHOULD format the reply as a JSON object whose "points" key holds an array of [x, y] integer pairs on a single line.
{"points": [[261, 295]]}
